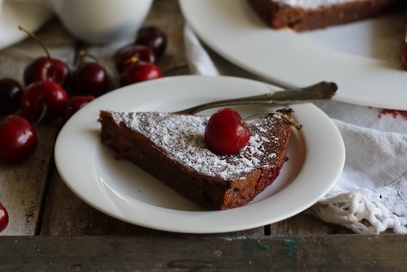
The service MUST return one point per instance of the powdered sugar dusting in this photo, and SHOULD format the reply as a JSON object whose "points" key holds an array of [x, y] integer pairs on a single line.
{"points": [[182, 138]]}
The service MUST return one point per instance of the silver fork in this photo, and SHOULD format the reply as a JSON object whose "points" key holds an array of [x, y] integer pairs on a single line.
{"points": [[317, 92]]}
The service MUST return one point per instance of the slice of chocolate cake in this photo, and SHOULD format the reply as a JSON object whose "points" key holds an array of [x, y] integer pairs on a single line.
{"points": [[172, 149], [303, 15]]}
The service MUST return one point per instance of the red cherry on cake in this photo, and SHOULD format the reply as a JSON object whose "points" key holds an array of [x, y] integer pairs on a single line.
{"points": [[226, 132], [74, 104], [42, 101], [3, 218], [138, 72], [10, 92], [46, 68], [18, 140], [153, 37], [126, 56]]}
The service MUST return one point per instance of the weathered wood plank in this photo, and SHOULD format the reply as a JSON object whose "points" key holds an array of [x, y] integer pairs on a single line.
{"points": [[303, 224], [22, 187], [193, 253], [66, 214]]}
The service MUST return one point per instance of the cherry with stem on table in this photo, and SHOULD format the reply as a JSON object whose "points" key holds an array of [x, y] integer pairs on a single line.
{"points": [[131, 54], [46, 68], [18, 140], [10, 93], [4, 219], [42, 101], [90, 78], [153, 37], [74, 104], [138, 72]]}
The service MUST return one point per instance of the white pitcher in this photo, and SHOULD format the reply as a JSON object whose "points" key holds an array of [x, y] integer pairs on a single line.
{"points": [[100, 21]]}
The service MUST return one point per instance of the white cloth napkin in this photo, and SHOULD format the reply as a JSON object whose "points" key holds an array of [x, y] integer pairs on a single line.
{"points": [[370, 195]]}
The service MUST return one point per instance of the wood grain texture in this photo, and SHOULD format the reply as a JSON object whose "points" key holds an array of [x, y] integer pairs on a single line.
{"points": [[166, 253], [22, 187]]}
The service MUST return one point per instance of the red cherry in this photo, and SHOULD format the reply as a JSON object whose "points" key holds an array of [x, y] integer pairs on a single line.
{"points": [[18, 140], [3, 218], [152, 37], [42, 101], [126, 56], [45, 68], [90, 78], [10, 92], [226, 133], [138, 72], [74, 104], [41, 69]]}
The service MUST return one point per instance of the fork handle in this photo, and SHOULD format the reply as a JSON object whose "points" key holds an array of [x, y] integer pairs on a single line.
{"points": [[320, 91]]}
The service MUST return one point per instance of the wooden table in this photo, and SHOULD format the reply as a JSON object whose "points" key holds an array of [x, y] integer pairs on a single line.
{"points": [[52, 229]]}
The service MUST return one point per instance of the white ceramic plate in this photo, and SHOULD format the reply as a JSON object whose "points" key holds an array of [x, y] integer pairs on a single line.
{"points": [[30, 15], [120, 189], [362, 58]]}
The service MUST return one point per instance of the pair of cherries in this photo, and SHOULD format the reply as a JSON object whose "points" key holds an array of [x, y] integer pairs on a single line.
{"points": [[46, 79], [41, 101], [137, 62]]}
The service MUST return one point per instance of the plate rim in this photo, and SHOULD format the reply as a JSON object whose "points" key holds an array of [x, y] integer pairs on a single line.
{"points": [[118, 210]]}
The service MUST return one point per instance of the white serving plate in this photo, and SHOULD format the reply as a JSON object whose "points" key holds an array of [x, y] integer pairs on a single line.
{"points": [[362, 58], [122, 190]]}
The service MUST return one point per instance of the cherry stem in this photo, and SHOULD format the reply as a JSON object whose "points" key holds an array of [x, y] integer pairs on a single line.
{"points": [[131, 60], [43, 112], [265, 114], [83, 54], [43, 46]]}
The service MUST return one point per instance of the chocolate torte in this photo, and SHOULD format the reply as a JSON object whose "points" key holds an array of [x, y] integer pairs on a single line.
{"points": [[303, 15], [171, 148]]}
